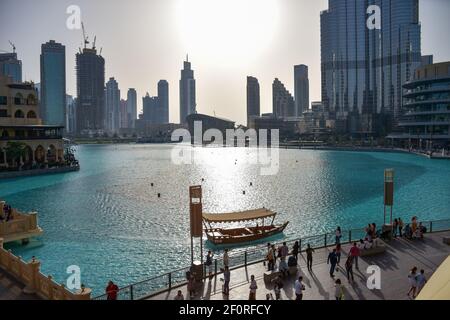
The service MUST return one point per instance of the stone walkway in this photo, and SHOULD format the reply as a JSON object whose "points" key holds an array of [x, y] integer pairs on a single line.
{"points": [[401, 255], [11, 289]]}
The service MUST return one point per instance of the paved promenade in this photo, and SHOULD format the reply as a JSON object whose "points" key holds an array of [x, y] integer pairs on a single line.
{"points": [[401, 255], [11, 289]]}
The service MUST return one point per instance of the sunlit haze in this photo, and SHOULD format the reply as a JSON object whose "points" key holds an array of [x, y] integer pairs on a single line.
{"points": [[144, 41]]}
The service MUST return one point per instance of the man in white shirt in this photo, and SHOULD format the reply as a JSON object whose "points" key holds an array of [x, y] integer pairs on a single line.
{"points": [[299, 288]]}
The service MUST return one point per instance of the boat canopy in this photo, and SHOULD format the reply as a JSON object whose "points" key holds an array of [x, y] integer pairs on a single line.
{"points": [[238, 216]]}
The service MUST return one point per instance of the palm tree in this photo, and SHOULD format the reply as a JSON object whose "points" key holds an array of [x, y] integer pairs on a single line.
{"points": [[16, 151]]}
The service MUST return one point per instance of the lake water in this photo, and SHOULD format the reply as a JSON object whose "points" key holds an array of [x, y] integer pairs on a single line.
{"points": [[108, 220]]}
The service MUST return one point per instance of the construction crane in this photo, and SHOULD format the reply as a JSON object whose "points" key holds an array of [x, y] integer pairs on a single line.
{"points": [[85, 38], [13, 46], [93, 44]]}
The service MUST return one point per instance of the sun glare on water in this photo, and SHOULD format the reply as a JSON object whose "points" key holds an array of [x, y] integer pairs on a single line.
{"points": [[226, 32]]}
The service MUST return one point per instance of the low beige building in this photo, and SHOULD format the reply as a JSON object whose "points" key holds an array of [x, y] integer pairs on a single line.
{"points": [[20, 122]]}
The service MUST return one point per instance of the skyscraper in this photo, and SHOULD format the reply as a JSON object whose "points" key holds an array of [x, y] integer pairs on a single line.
{"points": [[70, 114], [301, 89], [253, 100], [187, 92], [132, 107], [150, 108], [123, 114], [112, 105], [53, 83], [11, 66], [90, 109], [283, 102], [363, 70], [163, 101]]}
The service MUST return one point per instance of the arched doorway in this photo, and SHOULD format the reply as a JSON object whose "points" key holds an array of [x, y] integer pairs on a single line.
{"points": [[39, 154], [51, 154], [19, 114], [28, 156]]}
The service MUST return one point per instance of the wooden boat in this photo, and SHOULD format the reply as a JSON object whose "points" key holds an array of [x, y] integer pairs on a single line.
{"points": [[218, 234]]}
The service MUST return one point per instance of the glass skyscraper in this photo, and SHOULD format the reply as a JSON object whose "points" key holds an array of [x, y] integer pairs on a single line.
{"points": [[188, 103], [253, 100], [163, 101], [11, 66], [301, 89], [53, 83], [364, 70]]}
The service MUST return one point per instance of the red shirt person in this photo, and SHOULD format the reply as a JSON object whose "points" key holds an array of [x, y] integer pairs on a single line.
{"points": [[355, 253], [111, 291]]}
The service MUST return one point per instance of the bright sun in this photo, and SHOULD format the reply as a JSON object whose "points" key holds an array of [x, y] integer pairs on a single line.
{"points": [[226, 32]]}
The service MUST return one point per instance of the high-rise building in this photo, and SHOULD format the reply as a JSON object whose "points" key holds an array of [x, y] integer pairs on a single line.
{"points": [[163, 101], [11, 66], [123, 114], [253, 100], [150, 106], [53, 83], [90, 69], [188, 103], [70, 114], [283, 102], [301, 89], [132, 107], [364, 70], [112, 99]]}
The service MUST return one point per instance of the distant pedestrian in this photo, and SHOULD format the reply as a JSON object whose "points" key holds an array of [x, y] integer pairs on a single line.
{"points": [[339, 290], [191, 286], [226, 281], [309, 257], [421, 281], [111, 291], [412, 277], [209, 263], [400, 227], [355, 252], [395, 228], [299, 288], [271, 259], [349, 268], [253, 287], [295, 250], [338, 235], [284, 251], [338, 253], [277, 287], [226, 259], [179, 296], [332, 260]]}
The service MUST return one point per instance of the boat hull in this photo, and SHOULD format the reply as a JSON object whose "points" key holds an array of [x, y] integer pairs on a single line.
{"points": [[242, 235]]}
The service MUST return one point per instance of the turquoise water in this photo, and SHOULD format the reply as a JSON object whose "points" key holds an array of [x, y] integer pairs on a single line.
{"points": [[108, 220]]}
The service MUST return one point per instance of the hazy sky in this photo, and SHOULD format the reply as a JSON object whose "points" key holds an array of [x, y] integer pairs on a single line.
{"points": [[144, 41]]}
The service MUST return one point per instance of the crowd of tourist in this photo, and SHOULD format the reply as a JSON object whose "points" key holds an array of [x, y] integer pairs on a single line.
{"points": [[282, 259]]}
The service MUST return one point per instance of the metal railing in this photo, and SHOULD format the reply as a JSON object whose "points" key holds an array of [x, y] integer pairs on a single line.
{"points": [[239, 258]]}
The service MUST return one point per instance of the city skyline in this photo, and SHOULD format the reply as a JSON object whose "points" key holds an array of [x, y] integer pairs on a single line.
{"points": [[220, 86]]}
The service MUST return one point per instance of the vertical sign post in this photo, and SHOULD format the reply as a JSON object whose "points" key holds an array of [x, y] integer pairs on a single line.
{"points": [[388, 193], [196, 218]]}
